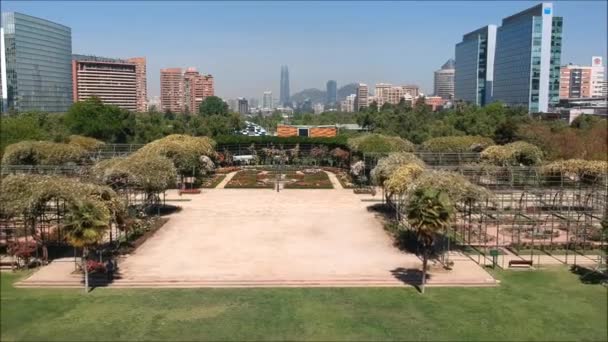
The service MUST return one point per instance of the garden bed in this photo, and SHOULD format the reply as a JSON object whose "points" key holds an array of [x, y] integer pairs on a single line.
{"points": [[250, 179], [308, 179], [132, 240], [213, 181]]}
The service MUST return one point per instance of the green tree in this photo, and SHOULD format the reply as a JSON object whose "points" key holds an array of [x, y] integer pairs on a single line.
{"points": [[429, 211], [94, 119], [84, 226], [213, 105]]}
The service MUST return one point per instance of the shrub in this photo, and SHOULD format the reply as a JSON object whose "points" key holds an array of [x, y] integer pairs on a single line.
{"points": [[466, 143], [578, 168], [455, 185], [402, 177], [378, 143], [515, 153], [183, 150], [89, 144], [42, 153], [387, 165]]}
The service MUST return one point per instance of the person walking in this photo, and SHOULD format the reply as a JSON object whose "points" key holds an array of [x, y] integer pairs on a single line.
{"points": [[110, 270]]}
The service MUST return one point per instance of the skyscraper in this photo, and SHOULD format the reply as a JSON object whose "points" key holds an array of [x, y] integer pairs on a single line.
{"points": [[284, 95], [141, 82], [36, 68], [171, 90], [113, 81], [527, 62], [362, 95], [474, 72], [444, 80], [267, 100], [332, 93], [243, 106]]}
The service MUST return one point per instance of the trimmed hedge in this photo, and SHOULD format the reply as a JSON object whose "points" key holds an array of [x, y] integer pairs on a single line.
{"points": [[338, 141]]}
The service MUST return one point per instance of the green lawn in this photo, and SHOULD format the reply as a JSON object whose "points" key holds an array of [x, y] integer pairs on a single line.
{"points": [[551, 304]]}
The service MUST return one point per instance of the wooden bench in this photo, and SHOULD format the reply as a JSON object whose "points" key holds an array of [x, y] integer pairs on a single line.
{"points": [[520, 263]]}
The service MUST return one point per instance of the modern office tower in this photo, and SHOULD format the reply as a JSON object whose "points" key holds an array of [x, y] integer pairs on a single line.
{"points": [[171, 90], [474, 67], [113, 81], [253, 102], [36, 68], [527, 61], [348, 104], [243, 106], [362, 94], [582, 81], [267, 100], [332, 93], [141, 82], [284, 94], [444, 80]]}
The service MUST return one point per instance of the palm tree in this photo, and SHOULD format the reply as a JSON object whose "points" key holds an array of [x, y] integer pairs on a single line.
{"points": [[85, 225], [429, 212]]}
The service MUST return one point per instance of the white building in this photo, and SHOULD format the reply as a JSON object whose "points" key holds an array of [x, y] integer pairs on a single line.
{"points": [[267, 100], [348, 104]]}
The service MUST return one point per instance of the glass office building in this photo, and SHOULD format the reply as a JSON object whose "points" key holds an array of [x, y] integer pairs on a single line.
{"points": [[473, 79], [528, 53], [37, 64]]}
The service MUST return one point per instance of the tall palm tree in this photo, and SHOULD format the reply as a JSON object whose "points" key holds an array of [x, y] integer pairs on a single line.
{"points": [[429, 212], [84, 226]]}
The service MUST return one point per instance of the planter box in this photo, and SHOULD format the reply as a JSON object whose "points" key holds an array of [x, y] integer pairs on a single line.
{"points": [[189, 191]]}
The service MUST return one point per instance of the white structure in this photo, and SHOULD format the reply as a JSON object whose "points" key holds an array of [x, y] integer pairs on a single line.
{"points": [[267, 100], [387, 93], [598, 82], [348, 104], [318, 108]]}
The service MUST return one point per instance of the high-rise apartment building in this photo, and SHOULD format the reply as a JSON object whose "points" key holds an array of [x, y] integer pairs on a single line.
{"points": [[171, 90], [284, 94], [243, 106], [36, 68], [444, 80], [474, 67], [527, 61], [332, 93], [184, 92], [141, 83], [582, 81], [113, 81], [267, 100], [361, 101], [387, 93], [348, 104]]}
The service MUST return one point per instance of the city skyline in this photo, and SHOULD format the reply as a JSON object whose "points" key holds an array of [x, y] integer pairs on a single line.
{"points": [[301, 47]]}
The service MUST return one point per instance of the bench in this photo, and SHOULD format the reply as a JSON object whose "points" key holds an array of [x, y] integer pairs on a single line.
{"points": [[519, 263]]}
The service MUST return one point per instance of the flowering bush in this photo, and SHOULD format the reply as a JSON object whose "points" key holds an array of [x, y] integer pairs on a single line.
{"points": [[42, 153], [95, 266], [576, 168], [340, 155], [466, 143], [183, 150], [387, 165], [515, 153], [455, 185], [89, 144], [402, 177]]}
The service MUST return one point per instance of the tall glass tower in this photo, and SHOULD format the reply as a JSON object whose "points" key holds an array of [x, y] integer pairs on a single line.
{"points": [[36, 65], [284, 94], [332, 92], [528, 56], [475, 66]]}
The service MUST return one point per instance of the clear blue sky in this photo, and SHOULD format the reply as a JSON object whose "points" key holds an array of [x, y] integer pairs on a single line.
{"points": [[243, 44]]}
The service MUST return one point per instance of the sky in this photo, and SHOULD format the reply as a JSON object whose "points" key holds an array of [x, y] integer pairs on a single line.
{"points": [[244, 44]]}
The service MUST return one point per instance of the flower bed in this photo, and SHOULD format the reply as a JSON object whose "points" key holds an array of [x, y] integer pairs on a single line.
{"points": [[308, 179], [250, 179]]}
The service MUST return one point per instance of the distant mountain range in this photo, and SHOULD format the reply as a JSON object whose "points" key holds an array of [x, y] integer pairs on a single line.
{"points": [[320, 96]]}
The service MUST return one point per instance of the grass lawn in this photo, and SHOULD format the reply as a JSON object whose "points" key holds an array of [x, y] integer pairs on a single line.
{"points": [[550, 304]]}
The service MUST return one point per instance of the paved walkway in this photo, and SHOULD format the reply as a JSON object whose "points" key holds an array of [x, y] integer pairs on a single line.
{"points": [[226, 180], [334, 180]]}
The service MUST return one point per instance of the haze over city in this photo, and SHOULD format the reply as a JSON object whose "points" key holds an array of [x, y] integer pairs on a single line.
{"points": [[243, 44]]}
